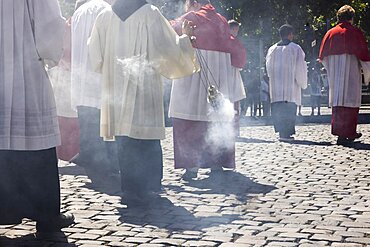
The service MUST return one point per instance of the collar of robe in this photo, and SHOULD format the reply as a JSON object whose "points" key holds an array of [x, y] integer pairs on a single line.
{"points": [[125, 8], [344, 24], [284, 42]]}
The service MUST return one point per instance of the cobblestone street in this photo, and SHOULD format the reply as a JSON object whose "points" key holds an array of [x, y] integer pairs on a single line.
{"points": [[311, 192]]}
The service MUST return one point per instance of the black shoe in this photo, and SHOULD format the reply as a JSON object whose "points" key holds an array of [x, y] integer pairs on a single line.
{"points": [[358, 135], [55, 225], [344, 141], [189, 175], [286, 138], [215, 171]]}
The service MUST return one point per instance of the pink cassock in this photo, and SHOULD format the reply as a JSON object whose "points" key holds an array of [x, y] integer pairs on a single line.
{"points": [[67, 118], [70, 136]]}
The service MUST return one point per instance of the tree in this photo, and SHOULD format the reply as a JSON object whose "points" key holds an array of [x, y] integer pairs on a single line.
{"points": [[261, 19], [311, 18], [273, 13]]}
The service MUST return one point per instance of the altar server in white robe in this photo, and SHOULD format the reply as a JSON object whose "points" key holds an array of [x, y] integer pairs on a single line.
{"points": [[287, 70], [86, 88], [132, 45], [344, 52], [30, 32]]}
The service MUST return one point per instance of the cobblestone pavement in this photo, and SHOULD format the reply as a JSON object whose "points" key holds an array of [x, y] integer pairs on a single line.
{"points": [[307, 193]]}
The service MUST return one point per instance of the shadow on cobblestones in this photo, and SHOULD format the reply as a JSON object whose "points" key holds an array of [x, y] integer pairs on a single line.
{"points": [[105, 183], [358, 146], [196, 207], [31, 240], [102, 182], [229, 183], [311, 143], [164, 214], [251, 140], [161, 213]]}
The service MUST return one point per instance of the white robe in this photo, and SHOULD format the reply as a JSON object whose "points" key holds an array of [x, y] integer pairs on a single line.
{"points": [[28, 119], [287, 70], [345, 80], [366, 71], [189, 94], [86, 84], [60, 77], [132, 55]]}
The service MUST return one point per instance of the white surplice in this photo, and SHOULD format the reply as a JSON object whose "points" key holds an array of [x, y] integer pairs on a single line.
{"points": [[28, 119], [132, 55], [287, 70], [86, 84], [345, 79], [189, 94]]}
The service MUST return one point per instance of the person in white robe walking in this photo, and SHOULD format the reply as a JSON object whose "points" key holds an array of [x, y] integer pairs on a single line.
{"points": [[287, 70], [132, 45], [31, 32], [86, 86]]}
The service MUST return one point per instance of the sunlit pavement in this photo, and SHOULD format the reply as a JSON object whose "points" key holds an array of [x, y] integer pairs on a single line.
{"points": [[308, 193]]}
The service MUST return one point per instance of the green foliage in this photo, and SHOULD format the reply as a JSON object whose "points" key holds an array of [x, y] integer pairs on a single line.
{"points": [[262, 19]]}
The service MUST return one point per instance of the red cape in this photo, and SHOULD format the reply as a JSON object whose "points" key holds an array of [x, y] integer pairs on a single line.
{"points": [[344, 39], [212, 33]]}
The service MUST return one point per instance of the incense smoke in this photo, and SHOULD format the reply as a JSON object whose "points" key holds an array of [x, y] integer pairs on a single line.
{"points": [[221, 134], [136, 67], [171, 9]]}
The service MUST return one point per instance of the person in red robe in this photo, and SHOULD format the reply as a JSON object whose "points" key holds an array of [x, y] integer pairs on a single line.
{"points": [[221, 56], [343, 52]]}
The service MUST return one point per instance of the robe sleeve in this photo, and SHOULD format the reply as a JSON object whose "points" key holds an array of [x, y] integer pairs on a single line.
{"points": [[363, 47], [49, 26], [238, 53], [171, 55], [269, 62], [301, 70], [177, 25], [366, 70], [96, 45]]}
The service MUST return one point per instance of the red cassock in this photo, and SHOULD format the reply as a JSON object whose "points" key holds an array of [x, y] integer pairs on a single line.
{"points": [[344, 39], [212, 33]]}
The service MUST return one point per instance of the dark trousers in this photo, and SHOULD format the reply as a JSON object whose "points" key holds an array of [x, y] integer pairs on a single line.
{"points": [[266, 107], [141, 165], [29, 186], [93, 149], [284, 117], [316, 101]]}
